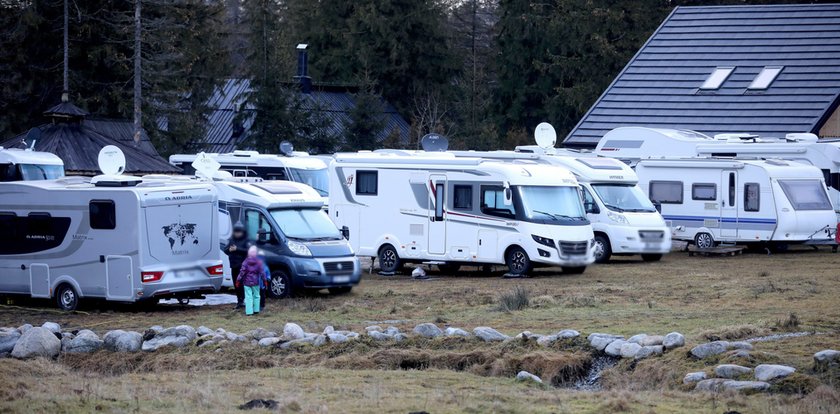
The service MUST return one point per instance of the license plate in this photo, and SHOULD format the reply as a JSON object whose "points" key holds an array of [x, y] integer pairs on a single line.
{"points": [[650, 246], [341, 279]]}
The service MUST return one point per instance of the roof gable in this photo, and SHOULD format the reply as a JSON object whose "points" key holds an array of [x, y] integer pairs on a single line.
{"points": [[660, 86]]}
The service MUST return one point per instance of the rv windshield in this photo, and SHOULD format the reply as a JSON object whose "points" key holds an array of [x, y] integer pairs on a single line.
{"points": [[551, 204], [806, 194], [623, 197], [316, 179], [32, 172], [306, 224]]}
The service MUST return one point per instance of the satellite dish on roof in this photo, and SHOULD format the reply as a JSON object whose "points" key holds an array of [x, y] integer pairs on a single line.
{"points": [[286, 148], [205, 166], [111, 160], [434, 143], [545, 135]]}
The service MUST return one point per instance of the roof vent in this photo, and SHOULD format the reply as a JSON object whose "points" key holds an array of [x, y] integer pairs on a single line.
{"points": [[802, 137]]}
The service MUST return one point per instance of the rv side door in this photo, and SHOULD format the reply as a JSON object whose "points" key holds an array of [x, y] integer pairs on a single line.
{"points": [[437, 214], [729, 200]]}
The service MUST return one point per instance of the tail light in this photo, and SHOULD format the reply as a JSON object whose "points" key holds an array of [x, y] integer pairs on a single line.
{"points": [[837, 234], [147, 277], [217, 270]]}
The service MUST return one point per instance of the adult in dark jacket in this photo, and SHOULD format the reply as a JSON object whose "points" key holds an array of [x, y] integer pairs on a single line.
{"points": [[237, 251]]}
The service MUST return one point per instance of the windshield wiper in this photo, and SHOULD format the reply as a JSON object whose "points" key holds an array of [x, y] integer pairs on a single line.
{"points": [[553, 217], [614, 207]]}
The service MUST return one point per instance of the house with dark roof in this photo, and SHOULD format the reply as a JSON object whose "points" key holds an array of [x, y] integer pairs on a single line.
{"points": [[763, 69], [76, 138], [231, 117]]}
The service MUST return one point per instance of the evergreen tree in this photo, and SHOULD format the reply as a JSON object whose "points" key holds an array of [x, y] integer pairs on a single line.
{"points": [[365, 122]]}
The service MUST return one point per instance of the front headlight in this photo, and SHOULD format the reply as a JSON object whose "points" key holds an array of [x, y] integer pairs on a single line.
{"points": [[545, 241], [617, 218], [298, 248]]}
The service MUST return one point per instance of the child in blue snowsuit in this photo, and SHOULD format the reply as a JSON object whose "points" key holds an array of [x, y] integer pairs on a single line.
{"points": [[265, 282]]}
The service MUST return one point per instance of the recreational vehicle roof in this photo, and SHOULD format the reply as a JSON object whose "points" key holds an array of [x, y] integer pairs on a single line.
{"points": [[22, 156], [638, 143], [300, 160], [774, 167], [145, 193], [270, 194]]}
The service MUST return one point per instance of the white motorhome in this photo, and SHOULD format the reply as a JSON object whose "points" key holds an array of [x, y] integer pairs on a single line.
{"points": [[631, 144], [111, 237], [27, 165], [707, 201], [434, 207]]}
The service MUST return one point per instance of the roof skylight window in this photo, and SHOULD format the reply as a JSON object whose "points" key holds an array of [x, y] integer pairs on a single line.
{"points": [[765, 77], [716, 79]]}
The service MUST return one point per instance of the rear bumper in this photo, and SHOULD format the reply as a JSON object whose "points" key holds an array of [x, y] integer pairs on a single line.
{"points": [[321, 273], [182, 282], [627, 240]]}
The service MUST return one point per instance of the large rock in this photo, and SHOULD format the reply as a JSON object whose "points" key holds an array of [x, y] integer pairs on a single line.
{"points": [[52, 327], [23, 328], [8, 339], [373, 328], [456, 332], [567, 334], [614, 348], [270, 341], [767, 372], [392, 330], [85, 342], [600, 341], [203, 330], [742, 345], [629, 350], [823, 360], [185, 331], [693, 377], [527, 376], [652, 340], [488, 334], [328, 329], [337, 337], [708, 349], [400, 337], [380, 336], [711, 385], [637, 339], [305, 341], [673, 340], [649, 351], [731, 371], [37, 342], [123, 341], [745, 385], [159, 342], [293, 331], [428, 330], [260, 334]]}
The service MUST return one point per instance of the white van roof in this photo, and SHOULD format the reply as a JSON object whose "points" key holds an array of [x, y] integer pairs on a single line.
{"points": [[22, 156], [300, 160], [775, 168], [270, 194]]}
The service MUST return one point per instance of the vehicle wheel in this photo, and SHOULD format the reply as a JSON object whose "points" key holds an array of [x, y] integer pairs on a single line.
{"points": [[389, 260], [518, 262], [183, 301], [603, 251], [574, 270], [66, 298], [340, 290], [281, 286], [704, 241], [449, 268], [651, 257]]}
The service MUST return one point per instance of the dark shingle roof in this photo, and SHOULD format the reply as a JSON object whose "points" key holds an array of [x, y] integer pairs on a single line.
{"points": [[659, 87], [333, 103]]}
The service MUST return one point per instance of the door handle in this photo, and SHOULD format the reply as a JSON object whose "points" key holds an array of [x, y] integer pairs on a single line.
{"points": [[479, 242]]}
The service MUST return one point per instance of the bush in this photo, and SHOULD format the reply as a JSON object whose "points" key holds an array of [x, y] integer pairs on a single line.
{"points": [[517, 299]]}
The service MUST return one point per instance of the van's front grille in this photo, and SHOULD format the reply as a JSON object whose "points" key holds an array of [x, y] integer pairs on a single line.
{"points": [[338, 268], [651, 235], [574, 248]]}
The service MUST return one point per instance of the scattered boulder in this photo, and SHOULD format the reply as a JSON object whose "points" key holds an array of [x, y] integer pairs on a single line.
{"points": [[673, 340], [745, 385], [203, 330], [83, 343], [600, 341], [328, 330], [123, 341], [260, 334], [392, 330], [652, 340], [37, 342], [547, 340], [293, 331], [8, 339], [731, 371], [710, 385], [400, 337], [629, 350], [742, 345], [298, 342], [568, 334], [637, 339], [230, 336], [270, 341], [373, 328], [52, 327], [337, 337], [649, 351], [320, 340], [185, 331], [428, 330], [614, 348], [823, 360], [456, 332], [156, 328], [380, 336], [767, 372], [161, 341], [488, 334], [741, 353], [23, 328], [693, 377], [527, 376], [708, 349]]}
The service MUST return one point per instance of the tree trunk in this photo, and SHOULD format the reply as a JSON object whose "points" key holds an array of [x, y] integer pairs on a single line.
{"points": [[138, 111]]}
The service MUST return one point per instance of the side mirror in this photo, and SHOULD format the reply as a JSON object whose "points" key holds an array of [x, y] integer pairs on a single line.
{"points": [[591, 208], [508, 196], [345, 232], [658, 206], [264, 236]]}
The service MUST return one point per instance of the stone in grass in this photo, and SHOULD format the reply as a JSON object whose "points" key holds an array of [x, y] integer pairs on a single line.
{"points": [[637, 339], [8, 339], [629, 350], [652, 340], [745, 385], [649, 351], [600, 341], [37, 342], [380, 336], [456, 332], [823, 360], [708, 349], [488, 334], [159, 342], [267, 342], [52, 327], [203, 330], [123, 341], [693, 377], [400, 337], [528, 377], [741, 345], [85, 342], [373, 328], [428, 330], [673, 340], [293, 331], [392, 330], [614, 348], [731, 371], [710, 385], [768, 372], [567, 334]]}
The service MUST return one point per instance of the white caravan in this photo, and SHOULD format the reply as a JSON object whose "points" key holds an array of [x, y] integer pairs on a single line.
{"points": [[111, 237], [769, 202], [434, 207], [631, 144], [27, 165]]}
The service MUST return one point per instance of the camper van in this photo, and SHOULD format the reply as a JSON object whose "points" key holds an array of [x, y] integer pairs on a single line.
{"points": [[111, 237], [290, 166], [436, 208], [709, 201], [27, 165], [631, 144], [303, 248]]}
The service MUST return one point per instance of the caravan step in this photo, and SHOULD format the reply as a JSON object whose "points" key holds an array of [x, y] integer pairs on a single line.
{"points": [[717, 251]]}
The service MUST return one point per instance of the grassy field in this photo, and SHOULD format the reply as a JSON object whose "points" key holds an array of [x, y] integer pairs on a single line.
{"points": [[704, 298]]}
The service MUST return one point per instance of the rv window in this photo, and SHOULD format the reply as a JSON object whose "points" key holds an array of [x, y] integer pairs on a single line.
{"points": [[731, 189], [832, 180], [35, 233], [254, 222], [462, 197], [589, 203], [666, 192], [752, 197], [367, 182], [493, 202], [8, 222], [8, 172], [704, 191], [103, 214], [439, 200], [806, 194]]}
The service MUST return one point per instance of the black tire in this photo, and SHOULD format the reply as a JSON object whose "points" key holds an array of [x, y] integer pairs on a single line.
{"points": [[389, 260], [651, 257], [340, 290], [66, 298], [574, 270], [449, 268], [517, 261], [603, 250], [704, 241], [280, 286]]}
